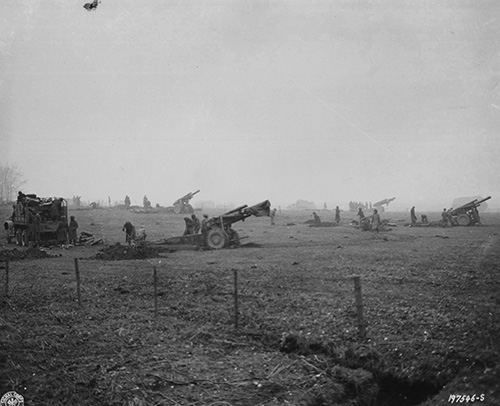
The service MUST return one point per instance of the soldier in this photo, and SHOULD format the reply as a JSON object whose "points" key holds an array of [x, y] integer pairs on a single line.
{"points": [[127, 202], [196, 224], [317, 220], [413, 216], [189, 226], [73, 226], [204, 224], [475, 216], [337, 215], [272, 214], [129, 229], [36, 228], [375, 221], [444, 218]]}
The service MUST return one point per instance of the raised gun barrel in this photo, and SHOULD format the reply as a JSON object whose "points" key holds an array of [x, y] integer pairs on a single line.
{"points": [[187, 197], [470, 205], [384, 201], [483, 200], [181, 205]]}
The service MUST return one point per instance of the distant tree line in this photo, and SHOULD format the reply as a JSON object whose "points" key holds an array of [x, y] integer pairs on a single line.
{"points": [[11, 180]]}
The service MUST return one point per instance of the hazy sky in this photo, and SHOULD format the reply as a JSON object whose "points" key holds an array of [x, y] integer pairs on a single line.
{"points": [[251, 100]]}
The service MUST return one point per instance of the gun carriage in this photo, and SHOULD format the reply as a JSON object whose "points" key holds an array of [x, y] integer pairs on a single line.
{"points": [[182, 205], [467, 214], [218, 232]]}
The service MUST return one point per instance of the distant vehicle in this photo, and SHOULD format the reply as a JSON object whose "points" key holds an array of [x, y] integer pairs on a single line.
{"points": [[53, 220]]}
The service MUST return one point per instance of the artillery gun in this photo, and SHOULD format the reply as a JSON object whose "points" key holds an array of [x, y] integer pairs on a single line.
{"points": [[219, 233], [380, 204], [467, 214], [53, 214], [182, 206]]}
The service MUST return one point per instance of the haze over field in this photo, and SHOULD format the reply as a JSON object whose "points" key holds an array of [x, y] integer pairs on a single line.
{"points": [[251, 100]]}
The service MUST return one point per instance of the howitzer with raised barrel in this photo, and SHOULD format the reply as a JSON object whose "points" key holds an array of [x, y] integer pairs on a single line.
{"points": [[467, 214], [217, 232], [182, 206], [380, 204]]}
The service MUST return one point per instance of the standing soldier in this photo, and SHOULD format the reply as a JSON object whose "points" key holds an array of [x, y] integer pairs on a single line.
{"points": [[272, 214], [375, 221], [413, 216], [196, 224], [204, 225], [127, 202], [73, 226], [444, 218], [189, 226], [337, 215], [36, 228]]}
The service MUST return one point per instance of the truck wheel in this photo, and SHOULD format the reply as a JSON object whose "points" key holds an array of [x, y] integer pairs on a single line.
{"points": [[216, 238], [463, 220]]}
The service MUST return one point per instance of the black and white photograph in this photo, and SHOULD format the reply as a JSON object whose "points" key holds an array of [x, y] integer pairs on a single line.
{"points": [[249, 202]]}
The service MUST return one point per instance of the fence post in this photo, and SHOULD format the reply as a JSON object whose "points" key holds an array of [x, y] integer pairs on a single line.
{"points": [[359, 307], [6, 277], [235, 272], [77, 273], [155, 289]]}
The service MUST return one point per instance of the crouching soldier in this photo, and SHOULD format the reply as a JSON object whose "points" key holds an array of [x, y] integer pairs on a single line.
{"points": [[129, 229]]}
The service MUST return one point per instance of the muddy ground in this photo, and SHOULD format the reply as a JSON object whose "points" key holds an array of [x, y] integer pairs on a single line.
{"points": [[431, 304]]}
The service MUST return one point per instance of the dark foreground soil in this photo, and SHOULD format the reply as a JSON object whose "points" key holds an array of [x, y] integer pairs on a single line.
{"points": [[431, 304]]}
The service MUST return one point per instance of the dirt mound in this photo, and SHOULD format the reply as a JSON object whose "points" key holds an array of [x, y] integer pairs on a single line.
{"points": [[323, 224], [29, 253], [119, 251]]}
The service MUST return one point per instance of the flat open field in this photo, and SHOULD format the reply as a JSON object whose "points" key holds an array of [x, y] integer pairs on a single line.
{"points": [[431, 304]]}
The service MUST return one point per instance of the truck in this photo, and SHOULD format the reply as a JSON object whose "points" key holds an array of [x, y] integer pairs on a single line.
{"points": [[50, 212]]}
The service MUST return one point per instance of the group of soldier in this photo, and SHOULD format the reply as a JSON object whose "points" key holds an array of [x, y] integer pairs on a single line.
{"points": [[193, 225], [369, 223]]}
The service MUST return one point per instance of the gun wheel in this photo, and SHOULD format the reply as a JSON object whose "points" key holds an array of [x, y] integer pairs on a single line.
{"points": [[216, 238], [463, 220]]}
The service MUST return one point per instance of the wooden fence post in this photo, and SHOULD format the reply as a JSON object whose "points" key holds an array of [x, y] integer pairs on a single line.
{"points": [[359, 307], [7, 278], [77, 273], [155, 289], [235, 272]]}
